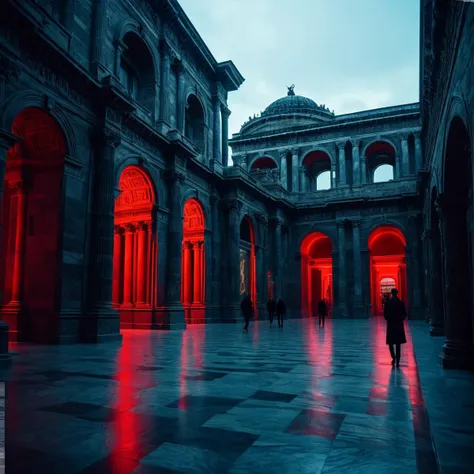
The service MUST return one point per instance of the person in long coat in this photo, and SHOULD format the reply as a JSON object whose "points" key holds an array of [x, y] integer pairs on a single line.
{"points": [[271, 308], [395, 313], [322, 312], [247, 309], [280, 310]]}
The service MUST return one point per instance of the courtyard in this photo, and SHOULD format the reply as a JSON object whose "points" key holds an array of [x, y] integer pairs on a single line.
{"points": [[212, 398]]}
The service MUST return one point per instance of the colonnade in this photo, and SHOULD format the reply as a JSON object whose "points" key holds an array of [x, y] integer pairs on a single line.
{"points": [[193, 273]]}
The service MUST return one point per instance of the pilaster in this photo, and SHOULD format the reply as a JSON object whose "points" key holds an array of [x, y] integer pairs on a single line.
{"points": [[342, 164], [358, 311], [284, 169], [294, 170], [165, 66], [405, 154], [341, 260], [216, 135], [356, 162], [225, 135]]}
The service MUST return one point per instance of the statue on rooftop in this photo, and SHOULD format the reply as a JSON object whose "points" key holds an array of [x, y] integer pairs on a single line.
{"points": [[291, 89]]}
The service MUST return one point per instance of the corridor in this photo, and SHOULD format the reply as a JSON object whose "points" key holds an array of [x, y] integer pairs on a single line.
{"points": [[213, 399]]}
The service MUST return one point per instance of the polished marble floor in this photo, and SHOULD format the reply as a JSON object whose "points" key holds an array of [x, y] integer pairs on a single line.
{"points": [[214, 399]]}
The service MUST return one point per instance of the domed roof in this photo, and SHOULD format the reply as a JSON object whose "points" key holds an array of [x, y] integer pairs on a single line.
{"points": [[292, 104]]}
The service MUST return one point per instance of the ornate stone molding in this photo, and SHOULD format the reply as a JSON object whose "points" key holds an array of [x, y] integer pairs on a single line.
{"points": [[261, 218], [173, 176], [404, 135], [341, 145], [355, 143], [235, 205], [225, 111], [295, 151]]}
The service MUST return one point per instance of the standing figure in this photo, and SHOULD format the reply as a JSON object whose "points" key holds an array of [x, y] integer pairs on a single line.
{"points": [[395, 313], [322, 312], [280, 310], [271, 307], [247, 310]]}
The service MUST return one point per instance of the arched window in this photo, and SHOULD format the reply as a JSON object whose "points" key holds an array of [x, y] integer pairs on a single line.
{"points": [[316, 173], [136, 71], [383, 173], [323, 181], [194, 122]]}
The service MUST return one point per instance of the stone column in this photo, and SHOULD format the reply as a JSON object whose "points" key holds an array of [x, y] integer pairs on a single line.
{"points": [[277, 259], [187, 278], [165, 80], [233, 258], [262, 264], [102, 321], [342, 164], [358, 302], [397, 172], [197, 250], [405, 155], [225, 135], [216, 136], [418, 152], [363, 169], [99, 33], [294, 169], [341, 261], [283, 169], [116, 266], [215, 248], [143, 257], [436, 302], [458, 352], [180, 100], [128, 265], [333, 175], [356, 162], [302, 176]]}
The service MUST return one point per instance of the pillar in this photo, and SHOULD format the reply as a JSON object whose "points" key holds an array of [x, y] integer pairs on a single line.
{"points": [[102, 321], [197, 271], [358, 302], [333, 175], [294, 167], [202, 273], [187, 277], [215, 248], [117, 266], [418, 152], [356, 162], [341, 257], [363, 169], [342, 164], [283, 169], [397, 172], [225, 135], [262, 263], [165, 80], [181, 99], [128, 265], [99, 33], [233, 256], [302, 176], [216, 136], [142, 258], [277, 259], [405, 155], [436, 302]]}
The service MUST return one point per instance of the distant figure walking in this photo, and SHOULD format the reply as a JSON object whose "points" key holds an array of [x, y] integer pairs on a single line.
{"points": [[395, 313], [271, 307], [322, 312], [247, 309], [280, 311]]}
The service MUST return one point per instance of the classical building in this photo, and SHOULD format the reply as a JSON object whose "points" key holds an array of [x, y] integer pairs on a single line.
{"points": [[447, 114], [119, 208]]}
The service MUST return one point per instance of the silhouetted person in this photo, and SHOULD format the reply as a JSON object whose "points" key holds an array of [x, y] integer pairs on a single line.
{"points": [[247, 309], [395, 313], [280, 311], [322, 312], [271, 307]]}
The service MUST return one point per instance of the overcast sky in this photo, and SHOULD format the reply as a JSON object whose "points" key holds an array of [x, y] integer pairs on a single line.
{"points": [[350, 55]]}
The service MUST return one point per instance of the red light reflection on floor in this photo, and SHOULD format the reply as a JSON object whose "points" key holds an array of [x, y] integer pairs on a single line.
{"points": [[184, 363]]}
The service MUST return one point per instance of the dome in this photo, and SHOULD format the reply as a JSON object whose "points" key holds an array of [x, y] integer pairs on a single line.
{"points": [[292, 104]]}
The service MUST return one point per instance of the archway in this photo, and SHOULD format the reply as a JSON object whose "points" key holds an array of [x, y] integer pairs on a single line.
{"points": [[380, 162], [458, 239], [248, 265], [194, 122], [316, 171], [316, 272], [193, 274], [135, 250], [264, 163], [387, 265], [32, 228]]}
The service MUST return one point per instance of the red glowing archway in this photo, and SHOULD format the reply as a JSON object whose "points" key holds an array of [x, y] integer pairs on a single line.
{"points": [[193, 271], [248, 264], [387, 265], [135, 250], [31, 222], [316, 272], [264, 162]]}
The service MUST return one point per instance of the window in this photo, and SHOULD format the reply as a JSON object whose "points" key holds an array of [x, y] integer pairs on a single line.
{"points": [[323, 181], [383, 173]]}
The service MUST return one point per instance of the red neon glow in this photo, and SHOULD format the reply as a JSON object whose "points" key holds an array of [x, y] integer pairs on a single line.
{"points": [[380, 148], [317, 156], [387, 264], [31, 242], [264, 163], [248, 235], [316, 272], [193, 274], [135, 250]]}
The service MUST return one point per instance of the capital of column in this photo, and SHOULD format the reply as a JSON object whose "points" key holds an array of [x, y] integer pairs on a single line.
{"points": [[129, 228], [187, 245], [283, 153], [341, 145], [173, 176], [225, 111], [355, 223], [118, 229], [355, 143], [17, 187], [341, 224], [295, 151], [142, 226], [262, 219], [234, 205], [179, 67], [404, 136]]}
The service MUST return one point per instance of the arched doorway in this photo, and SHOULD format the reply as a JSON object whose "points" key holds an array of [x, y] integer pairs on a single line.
{"points": [[194, 122], [32, 228], [316, 171], [248, 266], [316, 272], [458, 239], [380, 162], [193, 273], [387, 265], [135, 250]]}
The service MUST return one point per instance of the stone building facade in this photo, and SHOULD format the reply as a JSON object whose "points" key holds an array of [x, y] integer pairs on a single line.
{"points": [[119, 208], [447, 113]]}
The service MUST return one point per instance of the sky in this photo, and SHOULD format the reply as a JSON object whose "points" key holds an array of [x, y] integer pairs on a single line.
{"points": [[350, 55]]}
